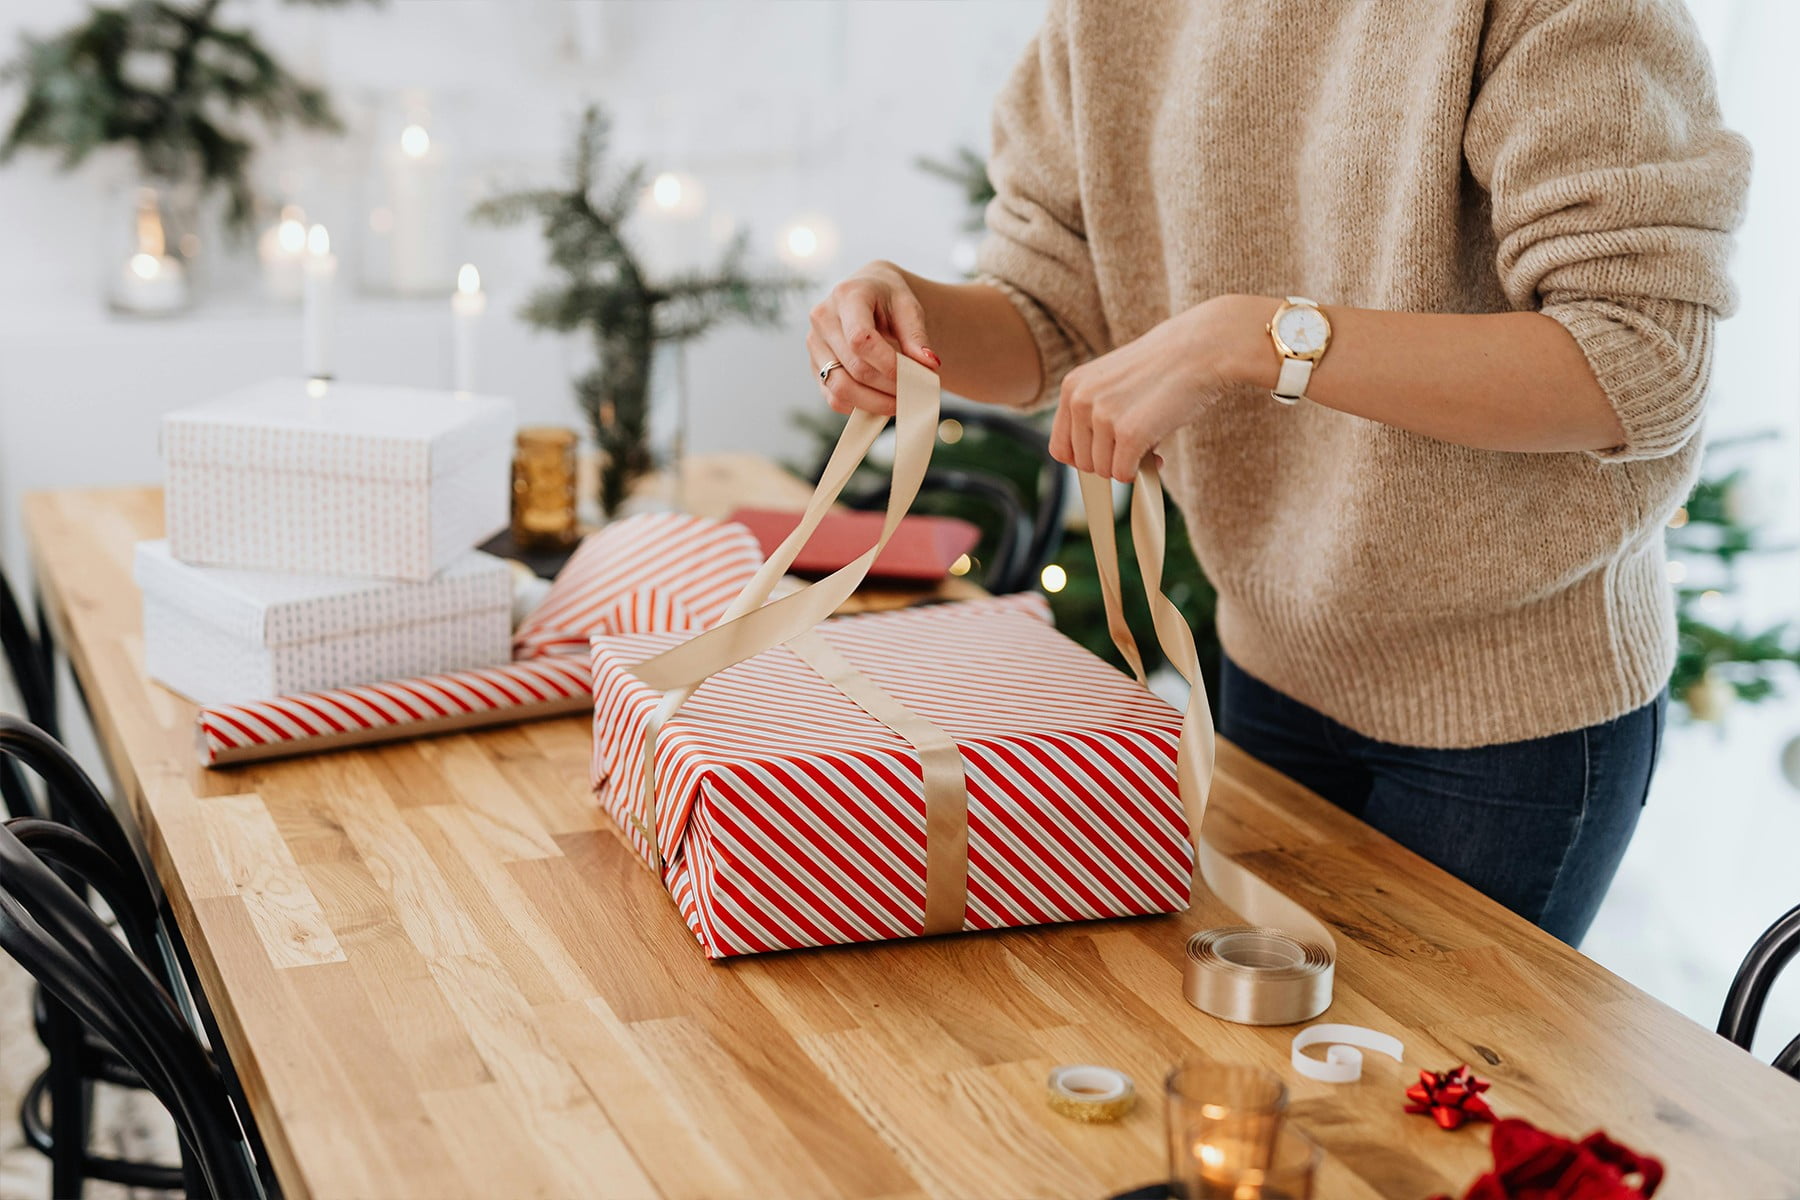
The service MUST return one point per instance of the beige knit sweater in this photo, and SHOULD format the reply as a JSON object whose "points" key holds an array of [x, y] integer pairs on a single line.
{"points": [[1410, 155]]}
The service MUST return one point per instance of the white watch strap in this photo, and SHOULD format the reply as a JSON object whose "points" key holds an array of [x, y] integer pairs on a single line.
{"points": [[1290, 388]]}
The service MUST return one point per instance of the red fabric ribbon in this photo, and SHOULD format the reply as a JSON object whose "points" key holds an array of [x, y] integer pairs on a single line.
{"points": [[1450, 1097], [1530, 1164]]}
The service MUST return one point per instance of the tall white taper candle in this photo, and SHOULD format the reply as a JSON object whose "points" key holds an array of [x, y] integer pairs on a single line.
{"points": [[467, 304], [316, 306]]}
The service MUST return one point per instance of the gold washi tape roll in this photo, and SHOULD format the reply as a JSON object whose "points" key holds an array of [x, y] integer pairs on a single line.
{"points": [[1089, 1093], [1257, 976]]}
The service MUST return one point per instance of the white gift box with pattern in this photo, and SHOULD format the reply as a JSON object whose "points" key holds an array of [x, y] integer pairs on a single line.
{"points": [[336, 479], [220, 634]]}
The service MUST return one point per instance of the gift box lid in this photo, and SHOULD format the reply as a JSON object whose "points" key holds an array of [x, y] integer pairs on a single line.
{"points": [[357, 431], [272, 608]]}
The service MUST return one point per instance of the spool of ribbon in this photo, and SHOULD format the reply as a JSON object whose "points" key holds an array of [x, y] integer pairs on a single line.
{"points": [[1257, 976], [1083, 1092], [1343, 1061]]}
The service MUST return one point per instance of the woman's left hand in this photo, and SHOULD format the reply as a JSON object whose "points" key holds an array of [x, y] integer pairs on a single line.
{"points": [[1117, 408]]}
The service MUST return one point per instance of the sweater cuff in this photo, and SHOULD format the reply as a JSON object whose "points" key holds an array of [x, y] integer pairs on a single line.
{"points": [[1652, 360], [1056, 353]]}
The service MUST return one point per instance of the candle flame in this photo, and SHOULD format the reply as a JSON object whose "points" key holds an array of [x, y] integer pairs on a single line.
{"points": [[468, 280], [144, 266], [802, 241], [149, 224], [290, 235], [318, 242], [414, 141], [1209, 1154], [666, 190]]}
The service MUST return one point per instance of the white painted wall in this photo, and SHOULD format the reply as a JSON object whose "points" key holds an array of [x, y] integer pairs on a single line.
{"points": [[793, 109]]}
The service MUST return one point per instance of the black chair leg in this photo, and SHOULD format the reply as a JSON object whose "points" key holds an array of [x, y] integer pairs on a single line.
{"points": [[70, 1097]]}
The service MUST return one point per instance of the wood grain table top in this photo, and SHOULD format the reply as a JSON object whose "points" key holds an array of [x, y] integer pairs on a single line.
{"points": [[440, 973]]}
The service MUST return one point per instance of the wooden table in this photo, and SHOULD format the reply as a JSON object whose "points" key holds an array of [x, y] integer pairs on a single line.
{"points": [[440, 973]]}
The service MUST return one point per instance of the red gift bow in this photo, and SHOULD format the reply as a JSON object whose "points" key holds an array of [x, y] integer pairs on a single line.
{"points": [[1451, 1097], [1530, 1164]]}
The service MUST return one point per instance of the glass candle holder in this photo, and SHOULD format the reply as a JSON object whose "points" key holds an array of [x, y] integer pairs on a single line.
{"points": [[1286, 1174], [1223, 1119], [543, 489]]}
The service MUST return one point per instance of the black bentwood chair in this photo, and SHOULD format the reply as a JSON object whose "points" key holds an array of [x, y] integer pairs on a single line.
{"points": [[28, 663], [50, 931], [1744, 1002], [997, 473], [79, 1057]]}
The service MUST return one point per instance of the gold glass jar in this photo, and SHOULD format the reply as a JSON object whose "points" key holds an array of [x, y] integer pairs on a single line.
{"points": [[543, 488]]}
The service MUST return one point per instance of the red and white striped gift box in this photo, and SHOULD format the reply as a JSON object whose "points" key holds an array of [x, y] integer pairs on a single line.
{"points": [[657, 572], [788, 816]]}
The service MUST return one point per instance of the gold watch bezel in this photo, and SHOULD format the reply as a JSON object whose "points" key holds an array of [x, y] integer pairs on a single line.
{"points": [[1287, 351]]}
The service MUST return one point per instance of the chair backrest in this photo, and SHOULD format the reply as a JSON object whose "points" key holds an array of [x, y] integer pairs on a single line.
{"points": [[27, 660], [1744, 1002], [74, 799], [1019, 483], [57, 938], [1010, 528], [27, 667]]}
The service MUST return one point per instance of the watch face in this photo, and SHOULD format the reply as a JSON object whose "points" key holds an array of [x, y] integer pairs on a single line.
{"points": [[1303, 330]]}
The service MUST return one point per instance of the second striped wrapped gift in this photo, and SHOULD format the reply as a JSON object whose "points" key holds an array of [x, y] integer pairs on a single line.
{"points": [[789, 816], [797, 781]]}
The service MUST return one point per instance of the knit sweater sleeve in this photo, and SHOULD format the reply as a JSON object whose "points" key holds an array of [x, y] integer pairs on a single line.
{"points": [[1036, 251], [1614, 191]]}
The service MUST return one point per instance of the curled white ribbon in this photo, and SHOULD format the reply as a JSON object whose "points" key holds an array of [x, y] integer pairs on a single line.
{"points": [[1343, 1061]]}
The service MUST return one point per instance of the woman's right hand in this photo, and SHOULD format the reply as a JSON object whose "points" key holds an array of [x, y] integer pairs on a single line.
{"points": [[863, 324]]}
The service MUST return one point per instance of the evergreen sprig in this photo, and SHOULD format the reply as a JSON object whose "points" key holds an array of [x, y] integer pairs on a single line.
{"points": [[604, 289], [1751, 662], [169, 81], [968, 170]]}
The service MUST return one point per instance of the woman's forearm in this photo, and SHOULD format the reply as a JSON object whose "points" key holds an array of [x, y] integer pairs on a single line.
{"points": [[988, 352], [1495, 381]]}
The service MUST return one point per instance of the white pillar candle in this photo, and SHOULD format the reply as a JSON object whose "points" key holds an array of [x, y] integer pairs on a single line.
{"points": [[282, 249], [467, 304], [419, 215], [316, 304]]}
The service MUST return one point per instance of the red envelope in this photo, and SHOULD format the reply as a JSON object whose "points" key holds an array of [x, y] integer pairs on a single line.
{"points": [[922, 548]]}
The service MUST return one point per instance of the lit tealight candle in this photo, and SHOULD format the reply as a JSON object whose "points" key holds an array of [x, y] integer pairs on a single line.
{"points": [[316, 304], [151, 281], [467, 304]]}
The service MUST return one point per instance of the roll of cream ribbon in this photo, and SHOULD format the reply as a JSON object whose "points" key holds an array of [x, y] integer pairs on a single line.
{"points": [[1257, 976], [1089, 1093], [1343, 1061]]}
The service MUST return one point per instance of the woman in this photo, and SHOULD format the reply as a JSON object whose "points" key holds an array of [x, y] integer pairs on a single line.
{"points": [[1432, 505]]}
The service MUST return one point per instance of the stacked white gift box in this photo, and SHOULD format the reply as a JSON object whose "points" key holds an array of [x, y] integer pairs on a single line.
{"points": [[320, 535]]}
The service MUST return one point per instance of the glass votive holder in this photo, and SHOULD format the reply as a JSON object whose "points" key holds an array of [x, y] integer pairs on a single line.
{"points": [[1222, 1118], [543, 488], [1287, 1174]]}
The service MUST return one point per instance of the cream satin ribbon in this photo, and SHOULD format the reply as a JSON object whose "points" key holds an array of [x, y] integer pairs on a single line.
{"points": [[751, 626], [1287, 976]]}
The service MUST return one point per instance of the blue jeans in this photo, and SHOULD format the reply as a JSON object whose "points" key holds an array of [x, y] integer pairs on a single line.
{"points": [[1538, 825]]}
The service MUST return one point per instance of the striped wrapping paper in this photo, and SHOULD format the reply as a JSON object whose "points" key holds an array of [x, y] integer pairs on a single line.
{"points": [[661, 572], [789, 817], [690, 566]]}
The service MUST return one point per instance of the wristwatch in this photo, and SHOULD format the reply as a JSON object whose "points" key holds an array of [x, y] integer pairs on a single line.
{"points": [[1302, 335]]}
